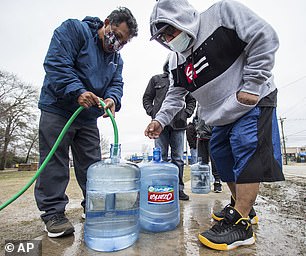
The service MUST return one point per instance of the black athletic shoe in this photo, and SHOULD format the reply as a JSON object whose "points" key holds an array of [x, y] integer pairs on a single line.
{"points": [[183, 196], [229, 233], [253, 217], [217, 187], [218, 216], [58, 225]]}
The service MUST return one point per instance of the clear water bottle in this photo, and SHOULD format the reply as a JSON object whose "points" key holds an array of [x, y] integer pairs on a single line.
{"points": [[112, 203], [200, 177], [159, 198]]}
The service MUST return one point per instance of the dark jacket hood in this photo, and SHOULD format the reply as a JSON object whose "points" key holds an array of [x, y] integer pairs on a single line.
{"points": [[94, 23]]}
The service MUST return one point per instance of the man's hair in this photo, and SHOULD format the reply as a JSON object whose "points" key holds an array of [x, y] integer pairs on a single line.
{"points": [[123, 14]]}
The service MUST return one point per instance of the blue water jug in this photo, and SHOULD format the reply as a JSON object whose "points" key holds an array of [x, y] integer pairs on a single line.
{"points": [[159, 198], [200, 177], [112, 203]]}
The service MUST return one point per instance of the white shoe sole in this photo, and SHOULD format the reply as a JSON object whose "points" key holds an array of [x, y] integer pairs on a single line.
{"points": [[225, 247], [53, 235], [234, 245]]}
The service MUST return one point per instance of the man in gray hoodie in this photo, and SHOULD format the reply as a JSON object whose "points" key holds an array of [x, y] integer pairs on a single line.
{"points": [[224, 57]]}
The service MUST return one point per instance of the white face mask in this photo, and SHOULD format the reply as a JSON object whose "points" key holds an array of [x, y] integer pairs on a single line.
{"points": [[180, 42]]}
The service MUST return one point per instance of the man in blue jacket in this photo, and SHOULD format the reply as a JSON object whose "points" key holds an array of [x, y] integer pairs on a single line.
{"points": [[82, 65]]}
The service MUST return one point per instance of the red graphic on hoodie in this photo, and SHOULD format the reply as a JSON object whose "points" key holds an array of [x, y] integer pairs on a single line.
{"points": [[190, 73]]}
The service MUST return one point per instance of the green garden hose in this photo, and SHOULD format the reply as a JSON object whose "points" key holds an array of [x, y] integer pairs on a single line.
{"points": [[55, 146]]}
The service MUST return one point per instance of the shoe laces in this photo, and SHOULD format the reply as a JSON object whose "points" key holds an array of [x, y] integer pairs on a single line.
{"points": [[222, 226], [58, 218]]}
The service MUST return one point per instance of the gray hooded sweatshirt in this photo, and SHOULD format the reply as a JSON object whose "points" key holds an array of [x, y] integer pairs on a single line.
{"points": [[232, 50]]}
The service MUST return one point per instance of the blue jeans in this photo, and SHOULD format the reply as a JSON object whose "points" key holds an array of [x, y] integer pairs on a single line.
{"points": [[174, 139], [205, 152], [194, 155]]}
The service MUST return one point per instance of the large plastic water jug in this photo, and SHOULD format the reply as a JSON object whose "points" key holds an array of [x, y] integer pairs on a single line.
{"points": [[159, 198], [112, 203], [200, 177]]}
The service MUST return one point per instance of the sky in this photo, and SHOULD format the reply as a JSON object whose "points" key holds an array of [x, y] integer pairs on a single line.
{"points": [[26, 27]]}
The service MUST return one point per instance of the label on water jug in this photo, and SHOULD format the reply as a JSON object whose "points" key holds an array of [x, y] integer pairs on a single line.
{"points": [[159, 194]]}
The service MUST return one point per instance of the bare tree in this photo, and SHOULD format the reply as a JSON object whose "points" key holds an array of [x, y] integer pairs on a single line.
{"points": [[17, 103], [31, 145]]}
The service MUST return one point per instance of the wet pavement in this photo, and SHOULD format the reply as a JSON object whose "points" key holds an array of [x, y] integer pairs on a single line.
{"points": [[281, 229]]}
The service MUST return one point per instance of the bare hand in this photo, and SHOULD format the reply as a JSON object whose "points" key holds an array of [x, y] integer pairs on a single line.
{"points": [[153, 130], [109, 104], [88, 99], [247, 98]]}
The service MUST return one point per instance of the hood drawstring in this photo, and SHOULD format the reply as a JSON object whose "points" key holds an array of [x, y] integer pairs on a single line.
{"points": [[192, 72], [177, 67]]}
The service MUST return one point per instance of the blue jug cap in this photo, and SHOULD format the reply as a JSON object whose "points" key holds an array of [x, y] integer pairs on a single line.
{"points": [[156, 154]]}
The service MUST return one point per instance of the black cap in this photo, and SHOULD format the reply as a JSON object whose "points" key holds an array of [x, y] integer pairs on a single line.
{"points": [[160, 28]]}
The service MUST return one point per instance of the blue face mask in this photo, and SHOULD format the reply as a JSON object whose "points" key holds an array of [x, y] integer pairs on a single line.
{"points": [[180, 42]]}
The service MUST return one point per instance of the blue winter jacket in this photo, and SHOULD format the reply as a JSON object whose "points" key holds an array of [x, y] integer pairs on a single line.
{"points": [[75, 63]]}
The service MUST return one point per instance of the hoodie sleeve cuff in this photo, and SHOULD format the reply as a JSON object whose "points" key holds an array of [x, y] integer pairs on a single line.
{"points": [[160, 122]]}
